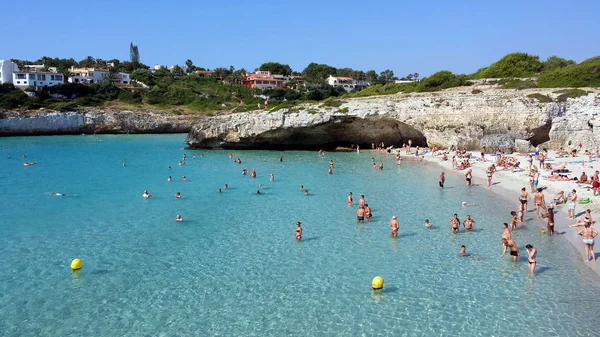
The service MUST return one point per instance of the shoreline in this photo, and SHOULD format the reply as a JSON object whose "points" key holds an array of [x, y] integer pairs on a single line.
{"points": [[507, 186]]}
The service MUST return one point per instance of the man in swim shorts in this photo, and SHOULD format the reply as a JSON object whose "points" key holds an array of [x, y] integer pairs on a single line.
{"points": [[469, 177], [360, 214], [442, 179], [596, 183], [394, 226], [572, 203], [514, 250], [506, 234]]}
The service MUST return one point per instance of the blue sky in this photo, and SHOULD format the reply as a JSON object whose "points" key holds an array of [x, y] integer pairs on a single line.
{"points": [[405, 36]]}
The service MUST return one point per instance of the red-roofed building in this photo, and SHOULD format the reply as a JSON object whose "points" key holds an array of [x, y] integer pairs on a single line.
{"points": [[262, 80]]}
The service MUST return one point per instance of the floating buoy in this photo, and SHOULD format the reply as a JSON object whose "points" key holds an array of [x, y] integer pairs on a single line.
{"points": [[377, 282], [76, 264]]}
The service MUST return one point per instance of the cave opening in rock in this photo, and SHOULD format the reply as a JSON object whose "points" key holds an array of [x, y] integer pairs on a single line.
{"points": [[343, 132]]}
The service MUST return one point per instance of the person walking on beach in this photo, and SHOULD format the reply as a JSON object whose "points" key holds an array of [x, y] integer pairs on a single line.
{"points": [[469, 177], [572, 203], [588, 234], [539, 202], [524, 199], [298, 234], [442, 179], [455, 222], [532, 252], [394, 226], [514, 250], [506, 234], [550, 226], [489, 173]]}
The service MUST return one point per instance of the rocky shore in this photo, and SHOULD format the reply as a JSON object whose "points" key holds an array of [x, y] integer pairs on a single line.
{"points": [[506, 119], [94, 121]]}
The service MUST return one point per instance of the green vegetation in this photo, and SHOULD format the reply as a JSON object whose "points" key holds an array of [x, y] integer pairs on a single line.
{"points": [[512, 65], [180, 90], [540, 98], [515, 83], [569, 93], [584, 74], [476, 91]]}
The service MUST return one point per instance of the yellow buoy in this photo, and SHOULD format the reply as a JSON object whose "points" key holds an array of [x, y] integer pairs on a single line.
{"points": [[377, 282], [76, 264]]}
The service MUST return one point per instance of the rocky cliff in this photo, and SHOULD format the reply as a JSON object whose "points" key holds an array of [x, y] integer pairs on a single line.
{"points": [[53, 123], [504, 119]]}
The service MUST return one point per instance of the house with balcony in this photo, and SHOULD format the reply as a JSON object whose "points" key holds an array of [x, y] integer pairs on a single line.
{"points": [[348, 83], [36, 79], [94, 75], [262, 80]]}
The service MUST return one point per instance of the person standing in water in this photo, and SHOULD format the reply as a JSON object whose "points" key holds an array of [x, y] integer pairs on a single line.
{"points": [[469, 177], [524, 199], [532, 252], [350, 199], [514, 250], [360, 214], [455, 222], [468, 223], [368, 212], [506, 234], [380, 165], [298, 234], [463, 251], [361, 201], [588, 234], [442, 179], [550, 226], [394, 226]]}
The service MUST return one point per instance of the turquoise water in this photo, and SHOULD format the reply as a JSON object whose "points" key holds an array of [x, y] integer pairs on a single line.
{"points": [[232, 268]]}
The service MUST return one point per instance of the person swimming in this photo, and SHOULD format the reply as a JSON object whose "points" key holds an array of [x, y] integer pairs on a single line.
{"points": [[184, 178], [178, 195], [464, 204], [301, 187], [428, 224], [260, 186], [463, 251], [305, 192], [56, 194], [170, 179], [226, 186], [271, 177], [257, 191], [146, 195], [219, 190], [179, 218]]}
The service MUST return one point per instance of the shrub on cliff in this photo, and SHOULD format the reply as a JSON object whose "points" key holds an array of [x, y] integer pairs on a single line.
{"points": [[540, 98], [515, 83], [584, 74], [569, 93], [11, 97], [442, 80], [512, 65]]}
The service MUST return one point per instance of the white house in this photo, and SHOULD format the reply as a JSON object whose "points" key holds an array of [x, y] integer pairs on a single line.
{"points": [[92, 75], [7, 68], [32, 79], [348, 83]]}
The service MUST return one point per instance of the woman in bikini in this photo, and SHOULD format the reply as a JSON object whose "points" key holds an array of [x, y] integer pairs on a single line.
{"points": [[588, 234], [455, 223], [350, 199], [490, 172], [531, 258], [468, 223], [587, 218], [550, 225], [298, 234], [524, 198]]}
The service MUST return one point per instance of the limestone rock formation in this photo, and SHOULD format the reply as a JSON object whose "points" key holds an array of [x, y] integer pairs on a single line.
{"points": [[454, 116], [52, 123]]}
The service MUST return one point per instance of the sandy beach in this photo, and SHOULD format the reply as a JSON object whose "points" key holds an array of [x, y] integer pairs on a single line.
{"points": [[508, 184]]}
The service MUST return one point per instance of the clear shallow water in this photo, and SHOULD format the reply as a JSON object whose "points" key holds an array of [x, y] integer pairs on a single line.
{"points": [[232, 268]]}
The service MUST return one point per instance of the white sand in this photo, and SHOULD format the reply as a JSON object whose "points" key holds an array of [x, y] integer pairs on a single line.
{"points": [[508, 185]]}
